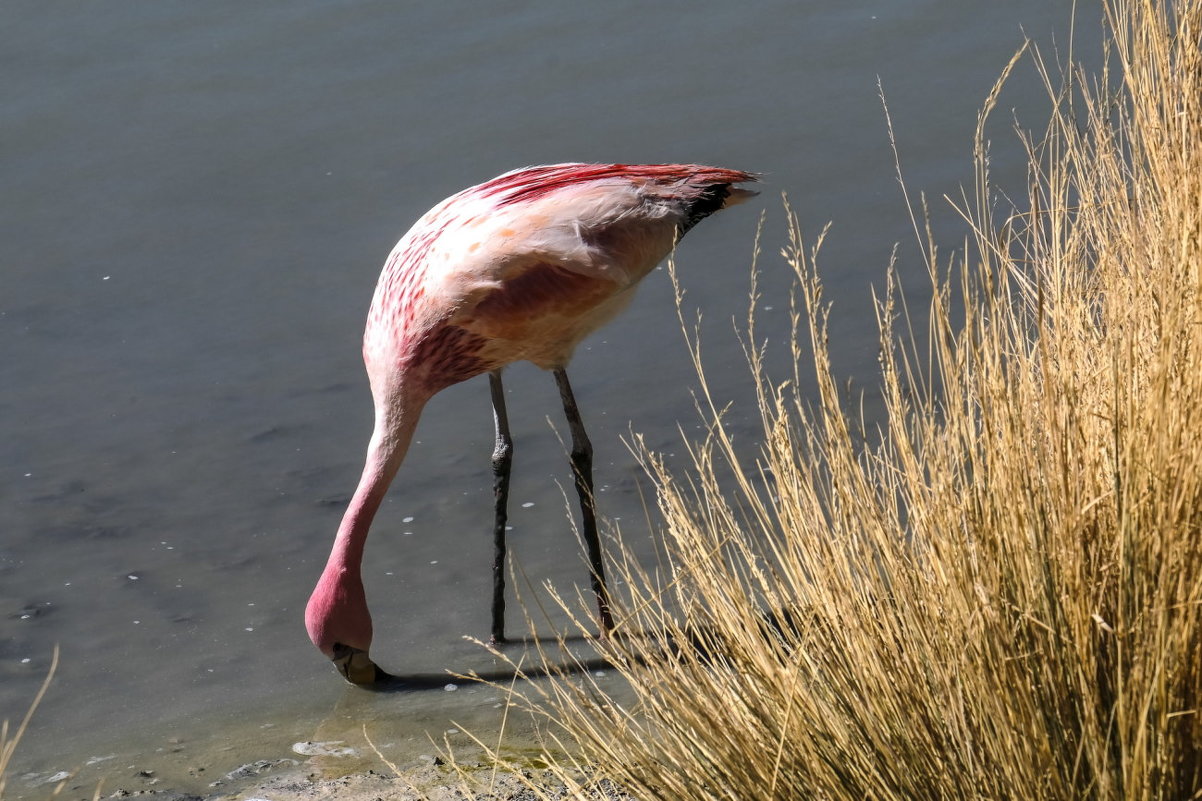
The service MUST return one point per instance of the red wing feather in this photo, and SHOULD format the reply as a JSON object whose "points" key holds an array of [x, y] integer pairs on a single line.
{"points": [[534, 182]]}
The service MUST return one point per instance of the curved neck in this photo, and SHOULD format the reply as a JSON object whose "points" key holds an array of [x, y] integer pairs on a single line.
{"points": [[389, 444]]}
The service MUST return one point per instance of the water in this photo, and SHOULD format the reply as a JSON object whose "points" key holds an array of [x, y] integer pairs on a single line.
{"points": [[197, 199]]}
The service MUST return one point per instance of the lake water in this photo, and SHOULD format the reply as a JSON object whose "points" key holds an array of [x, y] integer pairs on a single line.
{"points": [[195, 201]]}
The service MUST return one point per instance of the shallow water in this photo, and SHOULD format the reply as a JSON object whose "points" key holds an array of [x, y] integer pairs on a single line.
{"points": [[197, 200]]}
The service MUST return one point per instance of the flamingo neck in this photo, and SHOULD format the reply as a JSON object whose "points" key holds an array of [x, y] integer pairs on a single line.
{"points": [[337, 611], [389, 443]]}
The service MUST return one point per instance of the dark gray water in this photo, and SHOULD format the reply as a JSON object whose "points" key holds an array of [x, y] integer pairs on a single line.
{"points": [[195, 201]]}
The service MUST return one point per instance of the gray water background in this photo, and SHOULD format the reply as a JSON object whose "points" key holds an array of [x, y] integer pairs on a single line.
{"points": [[195, 201]]}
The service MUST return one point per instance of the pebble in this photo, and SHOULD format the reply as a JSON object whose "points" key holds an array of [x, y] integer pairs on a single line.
{"points": [[259, 767], [34, 779], [332, 748]]}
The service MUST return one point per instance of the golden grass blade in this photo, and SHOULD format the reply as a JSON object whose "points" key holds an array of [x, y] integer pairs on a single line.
{"points": [[8, 745]]}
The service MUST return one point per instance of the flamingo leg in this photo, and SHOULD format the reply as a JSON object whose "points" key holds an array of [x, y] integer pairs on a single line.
{"points": [[502, 461], [582, 470]]}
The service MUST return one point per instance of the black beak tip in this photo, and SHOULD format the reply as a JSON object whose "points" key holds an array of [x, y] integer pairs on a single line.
{"points": [[357, 667]]}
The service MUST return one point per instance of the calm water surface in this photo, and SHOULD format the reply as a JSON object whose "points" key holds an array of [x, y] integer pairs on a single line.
{"points": [[197, 199]]}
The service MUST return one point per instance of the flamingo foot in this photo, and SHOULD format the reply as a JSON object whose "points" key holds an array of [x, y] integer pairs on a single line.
{"points": [[356, 666]]}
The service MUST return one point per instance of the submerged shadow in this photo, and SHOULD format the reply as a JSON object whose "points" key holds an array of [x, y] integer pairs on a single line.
{"points": [[785, 626], [415, 682]]}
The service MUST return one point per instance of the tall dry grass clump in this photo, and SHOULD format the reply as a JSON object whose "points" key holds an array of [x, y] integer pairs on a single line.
{"points": [[998, 594]]}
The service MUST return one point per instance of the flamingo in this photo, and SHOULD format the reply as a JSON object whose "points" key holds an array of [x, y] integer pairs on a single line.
{"points": [[521, 267]]}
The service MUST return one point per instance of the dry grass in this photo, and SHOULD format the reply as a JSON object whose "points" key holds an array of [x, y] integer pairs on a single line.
{"points": [[10, 740], [997, 594]]}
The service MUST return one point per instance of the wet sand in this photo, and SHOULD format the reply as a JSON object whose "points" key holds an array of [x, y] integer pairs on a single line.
{"points": [[430, 779], [312, 770], [325, 776], [431, 782], [391, 742]]}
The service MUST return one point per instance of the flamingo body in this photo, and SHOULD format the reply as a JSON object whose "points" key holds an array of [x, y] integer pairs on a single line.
{"points": [[521, 267]]}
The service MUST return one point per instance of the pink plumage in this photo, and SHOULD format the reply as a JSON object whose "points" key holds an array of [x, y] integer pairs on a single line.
{"points": [[521, 267]]}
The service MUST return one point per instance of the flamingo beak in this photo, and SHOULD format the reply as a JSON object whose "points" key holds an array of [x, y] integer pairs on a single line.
{"points": [[355, 665], [736, 195]]}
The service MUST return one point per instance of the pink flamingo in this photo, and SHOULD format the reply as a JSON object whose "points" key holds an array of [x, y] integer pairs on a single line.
{"points": [[521, 267]]}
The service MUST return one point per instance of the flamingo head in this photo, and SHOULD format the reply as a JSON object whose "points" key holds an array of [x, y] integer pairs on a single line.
{"points": [[339, 624]]}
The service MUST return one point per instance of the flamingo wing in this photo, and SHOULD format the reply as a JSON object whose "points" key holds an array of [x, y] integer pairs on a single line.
{"points": [[526, 265]]}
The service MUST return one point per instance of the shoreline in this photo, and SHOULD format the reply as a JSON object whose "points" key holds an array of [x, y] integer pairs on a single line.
{"points": [[363, 746], [433, 780], [428, 778], [312, 770]]}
